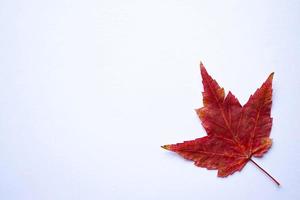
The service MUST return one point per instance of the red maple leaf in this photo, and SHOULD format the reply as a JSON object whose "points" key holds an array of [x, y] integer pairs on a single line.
{"points": [[235, 133]]}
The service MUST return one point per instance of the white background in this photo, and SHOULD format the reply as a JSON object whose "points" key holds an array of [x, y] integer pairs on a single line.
{"points": [[89, 90]]}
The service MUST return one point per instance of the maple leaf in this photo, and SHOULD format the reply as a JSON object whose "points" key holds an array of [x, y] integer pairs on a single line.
{"points": [[235, 133]]}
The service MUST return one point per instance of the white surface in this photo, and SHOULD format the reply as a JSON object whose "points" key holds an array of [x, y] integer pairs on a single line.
{"points": [[89, 90]]}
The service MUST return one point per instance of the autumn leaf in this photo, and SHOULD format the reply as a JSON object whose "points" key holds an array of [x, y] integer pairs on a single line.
{"points": [[235, 133]]}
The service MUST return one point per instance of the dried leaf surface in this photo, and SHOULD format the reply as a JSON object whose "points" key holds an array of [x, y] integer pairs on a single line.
{"points": [[235, 133]]}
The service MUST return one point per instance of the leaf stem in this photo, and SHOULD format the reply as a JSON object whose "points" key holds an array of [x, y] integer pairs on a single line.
{"points": [[265, 172]]}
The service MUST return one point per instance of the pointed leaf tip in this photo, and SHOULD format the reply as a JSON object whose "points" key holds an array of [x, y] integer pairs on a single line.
{"points": [[167, 147], [202, 66], [203, 70], [271, 76]]}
